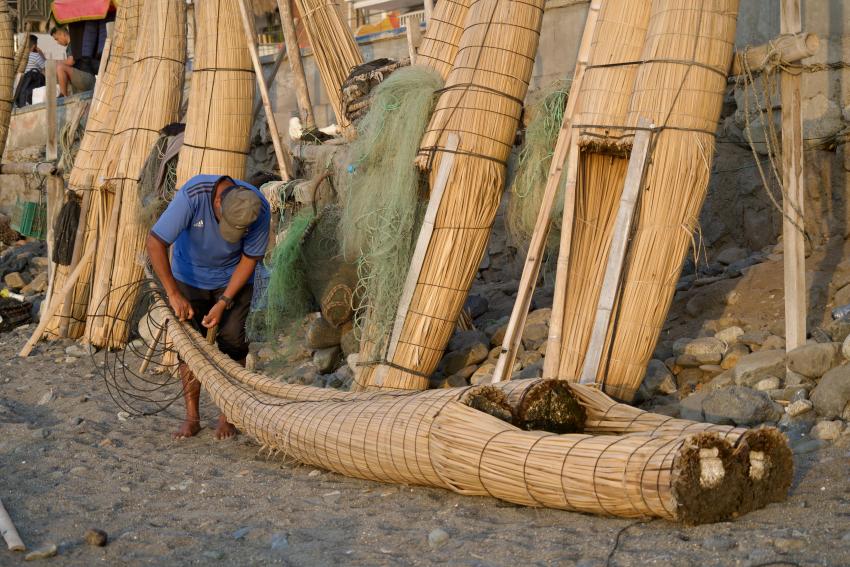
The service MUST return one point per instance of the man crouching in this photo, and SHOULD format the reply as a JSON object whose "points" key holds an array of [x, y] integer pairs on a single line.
{"points": [[219, 229]]}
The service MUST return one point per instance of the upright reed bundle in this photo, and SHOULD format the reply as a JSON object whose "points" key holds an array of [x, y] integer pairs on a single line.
{"points": [[219, 118], [445, 28], [100, 124], [436, 438], [333, 46], [152, 102], [7, 72], [482, 101], [680, 86], [601, 109]]}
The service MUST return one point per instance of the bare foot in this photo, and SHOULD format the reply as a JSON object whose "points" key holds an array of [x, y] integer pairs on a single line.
{"points": [[224, 430], [189, 428]]}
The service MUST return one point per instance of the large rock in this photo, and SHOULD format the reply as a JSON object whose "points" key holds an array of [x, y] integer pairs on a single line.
{"points": [[828, 430], [37, 285], [845, 347], [535, 335], [541, 316], [457, 360], [349, 341], [700, 348], [832, 392], [483, 375], [691, 407], [736, 352], [657, 380], [752, 368], [476, 305], [729, 335], [466, 339], [814, 360], [321, 334], [740, 406], [731, 255], [327, 359], [14, 280]]}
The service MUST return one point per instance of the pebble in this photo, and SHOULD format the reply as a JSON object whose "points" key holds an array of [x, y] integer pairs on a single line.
{"points": [[769, 383], [314, 473], [719, 543], [827, 430], [279, 542], [808, 446], [78, 471], [788, 544], [437, 538], [241, 533], [799, 408], [96, 537], [44, 552], [46, 398], [213, 554], [75, 421], [123, 416]]}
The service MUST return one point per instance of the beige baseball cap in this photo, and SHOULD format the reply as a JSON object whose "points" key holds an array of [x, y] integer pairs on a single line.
{"points": [[240, 207]]}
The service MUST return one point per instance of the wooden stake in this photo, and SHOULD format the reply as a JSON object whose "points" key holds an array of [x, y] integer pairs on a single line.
{"points": [[10, 534], [794, 183], [552, 361], [284, 160], [146, 361], [414, 37], [617, 254], [65, 316], [536, 247], [293, 52], [269, 77], [51, 310], [418, 259], [55, 199], [52, 151]]}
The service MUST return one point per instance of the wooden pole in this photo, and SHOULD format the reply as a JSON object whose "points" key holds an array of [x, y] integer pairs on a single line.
{"points": [[617, 254], [284, 160], [418, 258], [67, 300], [414, 37], [146, 361], [55, 198], [786, 48], [10, 534], [52, 151], [42, 168], [51, 310], [552, 361], [793, 182], [293, 52], [536, 247], [269, 77]]}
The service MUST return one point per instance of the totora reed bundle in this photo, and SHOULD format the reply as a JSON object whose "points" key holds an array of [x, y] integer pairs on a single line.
{"points": [[482, 102], [70, 320], [218, 122], [474, 441], [445, 28], [7, 72], [333, 46], [152, 102], [679, 85]]}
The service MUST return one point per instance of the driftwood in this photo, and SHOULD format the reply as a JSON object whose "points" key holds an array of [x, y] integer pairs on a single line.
{"points": [[8, 531]]}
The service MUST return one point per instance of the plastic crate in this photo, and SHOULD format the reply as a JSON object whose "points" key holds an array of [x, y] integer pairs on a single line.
{"points": [[30, 219]]}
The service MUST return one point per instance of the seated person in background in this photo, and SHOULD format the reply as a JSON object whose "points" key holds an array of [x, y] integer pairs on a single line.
{"points": [[33, 76], [70, 70]]}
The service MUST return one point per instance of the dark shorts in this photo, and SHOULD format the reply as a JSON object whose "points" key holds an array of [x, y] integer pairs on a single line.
{"points": [[231, 330]]}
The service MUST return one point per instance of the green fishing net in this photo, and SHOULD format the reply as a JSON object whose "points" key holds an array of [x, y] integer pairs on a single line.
{"points": [[532, 169], [384, 205]]}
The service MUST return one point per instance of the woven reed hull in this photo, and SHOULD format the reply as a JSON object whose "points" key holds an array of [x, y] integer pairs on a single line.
{"points": [[100, 125], [153, 101], [428, 438], [220, 114], [7, 72], [333, 46], [678, 96], [482, 103], [440, 43]]}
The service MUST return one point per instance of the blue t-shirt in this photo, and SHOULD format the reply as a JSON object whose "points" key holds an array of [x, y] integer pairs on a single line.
{"points": [[201, 257]]}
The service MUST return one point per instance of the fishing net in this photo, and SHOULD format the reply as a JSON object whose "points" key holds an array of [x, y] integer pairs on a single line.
{"points": [[532, 168], [384, 207]]}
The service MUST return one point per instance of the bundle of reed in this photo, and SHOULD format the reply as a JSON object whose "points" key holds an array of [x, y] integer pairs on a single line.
{"points": [[152, 102], [603, 102], [7, 72], [679, 87], [482, 100], [445, 28], [69, 321], [448, 440], [220, 114], [333, 46]]}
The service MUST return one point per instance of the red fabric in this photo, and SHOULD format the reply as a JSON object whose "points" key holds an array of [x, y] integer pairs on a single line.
{"points": [[67, 11]]}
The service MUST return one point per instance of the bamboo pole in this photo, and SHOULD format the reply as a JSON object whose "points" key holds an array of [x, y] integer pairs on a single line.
{"points": [[534, 258], [785, 48], [552, 361], [43, 168], [418, 258], [70, 282], [146, 361], [793, 181], [617, 254], [52, 151], [293, 53], [284, 160], [269, 77], [10, 534]]}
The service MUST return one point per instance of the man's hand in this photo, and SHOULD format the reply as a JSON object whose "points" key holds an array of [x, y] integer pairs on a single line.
{"points": [[181, 306], [213, 318]]}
